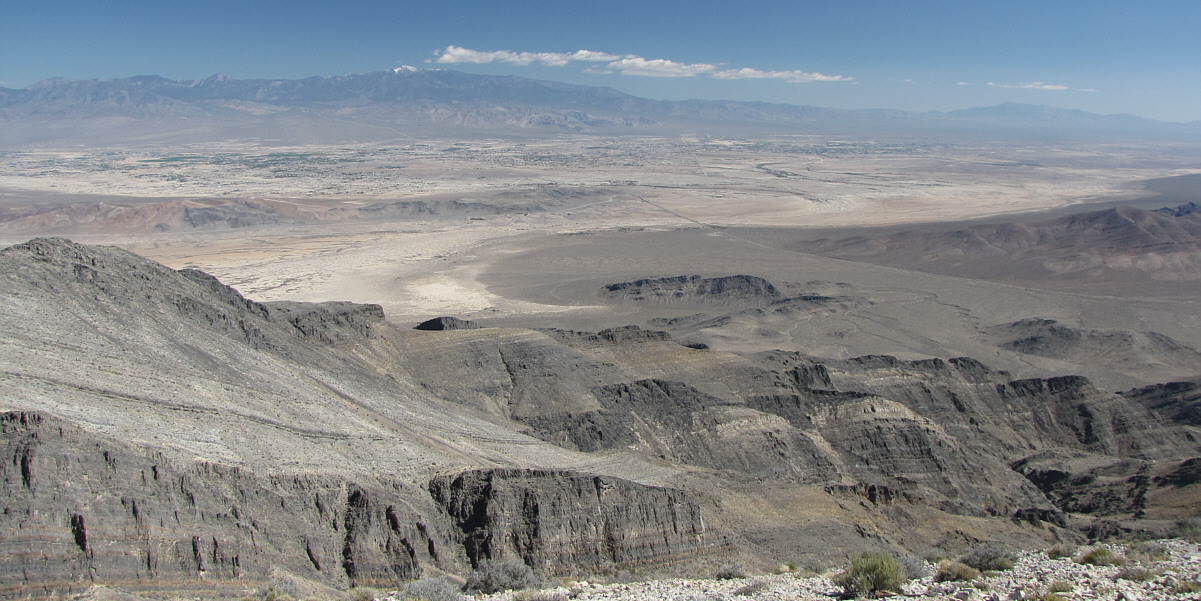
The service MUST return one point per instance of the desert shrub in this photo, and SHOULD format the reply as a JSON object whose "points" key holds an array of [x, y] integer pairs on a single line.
{"points": [[363, 593], [431, 589], [731, 571], [1060, 586], [1185, 587], [937, 557], [1061, 551], [990, 557], [953, 571], [495, 576], [1051, 597], [1148, 551], [750, 589], [871, 573], [1101, 557], [281, 589], [1136, 574], [532, 595], [1189, 529], [914, 568]]}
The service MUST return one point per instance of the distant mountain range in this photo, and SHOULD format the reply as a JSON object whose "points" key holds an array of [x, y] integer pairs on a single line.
{"points": [[385, 105]]}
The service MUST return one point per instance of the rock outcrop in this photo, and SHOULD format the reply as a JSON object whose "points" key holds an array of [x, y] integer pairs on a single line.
{"points": [[332, 323], [560, 522], [92, 509], [439, 324], [1177, 401], [694, 289], [1149, 354]]}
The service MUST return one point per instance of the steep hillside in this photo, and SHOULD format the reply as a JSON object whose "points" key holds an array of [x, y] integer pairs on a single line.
{"points": [[163, 433]]}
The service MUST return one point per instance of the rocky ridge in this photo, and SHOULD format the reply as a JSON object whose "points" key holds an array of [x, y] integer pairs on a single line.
{"points": [[694, 288], [1123, 244], [163, 432]]}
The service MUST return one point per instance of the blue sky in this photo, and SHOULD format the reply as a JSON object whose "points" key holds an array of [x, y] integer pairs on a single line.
{"points": [[1141, 58]]}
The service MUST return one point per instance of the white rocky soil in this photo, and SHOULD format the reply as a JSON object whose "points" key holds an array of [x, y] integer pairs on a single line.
{"points": [[1031, 578]]}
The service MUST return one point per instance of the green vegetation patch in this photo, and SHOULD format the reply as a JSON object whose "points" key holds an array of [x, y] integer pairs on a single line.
{"points": [[871, 573]]}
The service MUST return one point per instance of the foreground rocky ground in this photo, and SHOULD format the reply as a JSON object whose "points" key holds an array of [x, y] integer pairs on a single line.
{"points": [[1174, 575]]}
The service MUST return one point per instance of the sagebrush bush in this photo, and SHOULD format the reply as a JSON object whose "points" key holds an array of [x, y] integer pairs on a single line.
{"points": [[953, 571], [495, 576], [532, 595], [1060, 586], [871, 573], [1136, 574], [731, 571], [991, 557], [363, 593], [277, 593], [432, 589], [750, 589], [1102, 557], [1185, 587], [1189, 529], [1148, 551], [1061, 551], [914, 568]]}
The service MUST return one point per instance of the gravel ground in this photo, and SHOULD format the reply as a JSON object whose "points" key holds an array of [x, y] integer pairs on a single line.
{"points": [[1030, 578]]}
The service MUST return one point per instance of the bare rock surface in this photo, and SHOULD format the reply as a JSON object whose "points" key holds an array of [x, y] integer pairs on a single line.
{"points": [[694, 288], [438, 324], [561, 522], [163, 432]]}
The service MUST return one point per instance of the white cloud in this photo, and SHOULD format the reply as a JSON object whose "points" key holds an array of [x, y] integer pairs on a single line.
{"points": [[1040, 85], [628, 64], [658, 67], [457, 54], [793, 76], [963, 83]]}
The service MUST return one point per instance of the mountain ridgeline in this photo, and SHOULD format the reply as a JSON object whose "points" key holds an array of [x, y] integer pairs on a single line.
{"points": [[382, 105], [162, 432]]}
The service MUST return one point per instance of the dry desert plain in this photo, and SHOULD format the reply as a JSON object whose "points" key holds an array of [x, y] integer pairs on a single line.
{"points": [[526, 232]]}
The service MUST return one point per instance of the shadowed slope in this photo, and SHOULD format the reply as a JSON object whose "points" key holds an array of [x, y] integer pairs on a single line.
{"points": [[1124, 244]]}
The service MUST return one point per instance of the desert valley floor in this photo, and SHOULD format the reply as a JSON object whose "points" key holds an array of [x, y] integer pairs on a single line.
{"points": [[799, 346]]}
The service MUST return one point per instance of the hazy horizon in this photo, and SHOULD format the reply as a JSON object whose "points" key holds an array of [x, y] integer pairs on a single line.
{"points": [[1099, 57]]}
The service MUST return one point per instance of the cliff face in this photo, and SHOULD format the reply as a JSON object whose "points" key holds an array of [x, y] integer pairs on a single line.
{"points": [[560, 521], [84, 509]]}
